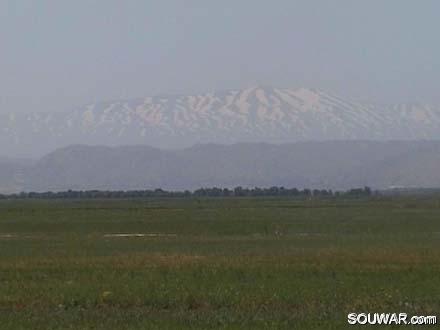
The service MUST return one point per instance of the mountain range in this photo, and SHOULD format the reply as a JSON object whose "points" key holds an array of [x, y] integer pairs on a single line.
{"points": [[257, 114], [331, 164]]}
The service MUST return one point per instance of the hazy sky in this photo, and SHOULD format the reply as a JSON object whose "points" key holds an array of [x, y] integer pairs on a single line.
{"points": [[58, 54]]}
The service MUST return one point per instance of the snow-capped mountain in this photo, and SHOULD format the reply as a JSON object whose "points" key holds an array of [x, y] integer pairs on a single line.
{"points": [[254, 114]]}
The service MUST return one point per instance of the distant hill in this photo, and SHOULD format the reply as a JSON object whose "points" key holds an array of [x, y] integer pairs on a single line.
{"points": [[257, 114], [336, 165]]}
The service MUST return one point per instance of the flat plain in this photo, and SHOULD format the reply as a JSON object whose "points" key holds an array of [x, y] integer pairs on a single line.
{"points": [[219, 263]]}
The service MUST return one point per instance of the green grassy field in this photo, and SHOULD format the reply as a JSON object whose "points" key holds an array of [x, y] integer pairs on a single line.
{"points": [[216, 263]]}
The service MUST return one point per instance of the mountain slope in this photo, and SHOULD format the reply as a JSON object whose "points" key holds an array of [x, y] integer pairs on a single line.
{"points": [[336, 165], [271, 115]]}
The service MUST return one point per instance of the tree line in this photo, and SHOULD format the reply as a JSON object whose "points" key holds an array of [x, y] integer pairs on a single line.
{"points": [[201, 192]]}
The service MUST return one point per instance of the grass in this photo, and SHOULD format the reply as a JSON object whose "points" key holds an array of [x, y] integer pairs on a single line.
{"points": [[233, 264]]}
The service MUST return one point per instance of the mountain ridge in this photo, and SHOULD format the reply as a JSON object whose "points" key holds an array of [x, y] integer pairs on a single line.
{"points": [[321, 165], [263, 114]]}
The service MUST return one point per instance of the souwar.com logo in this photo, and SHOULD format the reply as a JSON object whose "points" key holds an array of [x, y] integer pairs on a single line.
{"points": [[389, 318]]}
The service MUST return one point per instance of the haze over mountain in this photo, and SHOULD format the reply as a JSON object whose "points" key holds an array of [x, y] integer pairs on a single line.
{"points": [[336, 165], [257, 114]]}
